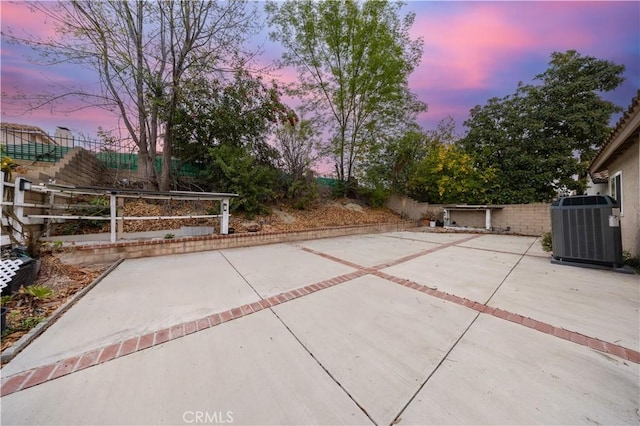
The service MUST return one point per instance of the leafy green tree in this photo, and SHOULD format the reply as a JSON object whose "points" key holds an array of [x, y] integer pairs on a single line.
{"points": [[447, 174], [242, 112], [353, 61], [543, 136], [574, 112], [225, 126], [390, 165]]}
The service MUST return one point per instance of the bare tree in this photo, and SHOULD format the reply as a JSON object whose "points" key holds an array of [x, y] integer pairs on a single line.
{"points": [[297, 143], [143, 54]]}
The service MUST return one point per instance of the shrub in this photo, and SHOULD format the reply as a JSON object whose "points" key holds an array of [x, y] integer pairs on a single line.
{"points": [[235, 169], [302, 192], [547, 242], [376, 197], [39, 292]]}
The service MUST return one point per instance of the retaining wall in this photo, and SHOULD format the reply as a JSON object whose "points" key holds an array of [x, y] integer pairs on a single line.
{"points": [[78, 167], [101, 253]]}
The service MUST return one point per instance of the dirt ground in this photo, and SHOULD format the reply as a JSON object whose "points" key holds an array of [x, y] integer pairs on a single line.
{"points": [[25, 311], [322, 214]]}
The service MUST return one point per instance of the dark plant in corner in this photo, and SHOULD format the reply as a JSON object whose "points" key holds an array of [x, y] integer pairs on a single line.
{"points": [[547, 242], [629, 260]]}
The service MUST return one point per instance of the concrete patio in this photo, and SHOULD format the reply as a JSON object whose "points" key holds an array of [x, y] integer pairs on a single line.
{"points": [[402, 327]]}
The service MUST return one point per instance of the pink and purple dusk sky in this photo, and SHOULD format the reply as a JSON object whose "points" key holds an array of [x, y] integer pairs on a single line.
{"points": [[472, 51]]}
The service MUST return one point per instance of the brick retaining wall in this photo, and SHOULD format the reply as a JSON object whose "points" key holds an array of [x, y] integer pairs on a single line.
{"points": [[101, 253]]}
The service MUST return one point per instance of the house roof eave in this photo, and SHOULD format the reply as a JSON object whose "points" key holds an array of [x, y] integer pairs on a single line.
{"points": [[627, 128]]}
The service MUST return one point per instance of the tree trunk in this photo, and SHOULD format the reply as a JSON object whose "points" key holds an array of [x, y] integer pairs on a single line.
{"points": [[147, 168], [165, 175]]}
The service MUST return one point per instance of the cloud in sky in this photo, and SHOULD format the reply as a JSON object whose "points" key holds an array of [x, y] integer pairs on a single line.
{"points": [[477, 50], [472, 52]]}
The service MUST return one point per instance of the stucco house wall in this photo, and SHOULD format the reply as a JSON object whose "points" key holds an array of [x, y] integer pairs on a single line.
{"points": [[629, 167], [620, 156]]}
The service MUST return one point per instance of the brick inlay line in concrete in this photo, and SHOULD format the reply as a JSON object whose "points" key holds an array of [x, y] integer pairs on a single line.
{"points": [[423, 253], [572, 336], [393, 262], [44, 373]]}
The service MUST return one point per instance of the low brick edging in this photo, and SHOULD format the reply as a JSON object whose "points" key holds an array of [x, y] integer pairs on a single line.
{"points": [[100, 253]]}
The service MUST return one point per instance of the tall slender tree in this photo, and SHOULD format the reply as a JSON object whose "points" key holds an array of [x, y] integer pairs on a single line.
{"points": [[353, 61]]}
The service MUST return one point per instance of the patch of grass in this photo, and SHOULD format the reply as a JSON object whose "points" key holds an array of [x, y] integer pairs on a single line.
{"points": [[30, 322], [25, 324]]}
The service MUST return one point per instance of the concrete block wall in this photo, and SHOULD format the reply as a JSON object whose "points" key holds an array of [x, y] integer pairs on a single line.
{"points": [[474, 219], [411, 209], [522, 219], [78, 167]]}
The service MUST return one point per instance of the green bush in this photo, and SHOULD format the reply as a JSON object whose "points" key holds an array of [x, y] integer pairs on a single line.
{"points": [[373, 197], [547, 242], [345, 189], [234, 169], [302, 192]]}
